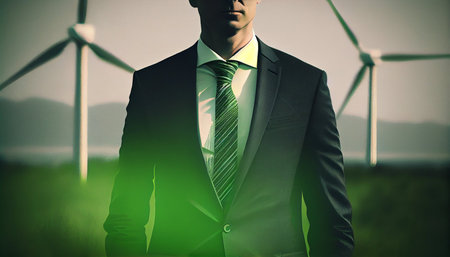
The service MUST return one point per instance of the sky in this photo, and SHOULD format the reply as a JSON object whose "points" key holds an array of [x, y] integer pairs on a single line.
{"points": [[142, 32]]}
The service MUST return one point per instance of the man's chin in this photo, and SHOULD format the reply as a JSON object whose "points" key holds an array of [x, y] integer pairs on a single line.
{"points": [[231, 28]]}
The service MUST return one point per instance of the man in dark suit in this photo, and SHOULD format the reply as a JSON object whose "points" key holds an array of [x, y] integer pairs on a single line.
{"points": [[228, 136]]}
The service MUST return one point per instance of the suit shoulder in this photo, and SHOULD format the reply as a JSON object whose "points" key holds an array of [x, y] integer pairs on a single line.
{"points": [[288, 60], [294, 69], [170, 63], [295, 73]]}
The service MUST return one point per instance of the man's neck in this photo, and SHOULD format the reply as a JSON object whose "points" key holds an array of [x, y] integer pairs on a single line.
{"points": [[227, 45]]}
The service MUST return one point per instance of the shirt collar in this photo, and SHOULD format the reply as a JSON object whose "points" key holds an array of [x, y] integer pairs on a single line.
{"points": [[247, 55]]}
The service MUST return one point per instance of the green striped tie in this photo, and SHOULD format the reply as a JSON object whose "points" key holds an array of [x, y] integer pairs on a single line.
{"points": [[226, 129]]}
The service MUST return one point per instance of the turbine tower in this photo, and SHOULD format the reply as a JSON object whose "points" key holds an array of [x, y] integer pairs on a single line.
{"points": [[370, 60], [83, 36]]}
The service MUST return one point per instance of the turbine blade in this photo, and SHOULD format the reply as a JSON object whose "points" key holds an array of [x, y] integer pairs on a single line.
{"points": [[82, 9], [353, 88], [344, 24], [107, 56], [412, 57], [45, 56]]}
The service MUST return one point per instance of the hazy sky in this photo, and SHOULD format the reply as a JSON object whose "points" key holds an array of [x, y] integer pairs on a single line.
{"points": [[142, 32]]}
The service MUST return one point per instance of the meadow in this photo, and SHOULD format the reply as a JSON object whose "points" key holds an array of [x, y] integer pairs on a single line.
{"points": [[46, 211]]}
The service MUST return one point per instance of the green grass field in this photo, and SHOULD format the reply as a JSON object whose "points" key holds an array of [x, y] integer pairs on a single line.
{"points": [[45, 211]]}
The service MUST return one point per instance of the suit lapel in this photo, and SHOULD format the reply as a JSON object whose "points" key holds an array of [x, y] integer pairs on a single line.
{"points": [[268, 80]]}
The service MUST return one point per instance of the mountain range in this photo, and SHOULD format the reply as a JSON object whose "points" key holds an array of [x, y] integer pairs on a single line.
{"points": [[37, 122]]}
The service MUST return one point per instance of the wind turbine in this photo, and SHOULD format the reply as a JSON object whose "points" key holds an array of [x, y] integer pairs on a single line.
{"points": [[83, 36], [370, 60]]}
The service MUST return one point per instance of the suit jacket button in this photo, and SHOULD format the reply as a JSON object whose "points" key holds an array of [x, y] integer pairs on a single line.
{"points": [[227, 228]]}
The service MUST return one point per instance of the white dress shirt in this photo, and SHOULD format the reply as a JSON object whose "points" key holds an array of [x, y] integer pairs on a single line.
{"points": [[243, 86]]}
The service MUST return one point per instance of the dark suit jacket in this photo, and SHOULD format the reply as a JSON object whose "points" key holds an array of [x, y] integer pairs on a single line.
{"points": [[293, 149]]}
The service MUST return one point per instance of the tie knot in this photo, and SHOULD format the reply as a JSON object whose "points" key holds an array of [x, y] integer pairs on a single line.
{"points": [[224, 70]]}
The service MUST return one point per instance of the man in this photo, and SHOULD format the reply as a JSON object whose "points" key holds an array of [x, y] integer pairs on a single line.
{"points": [[228, 135]]}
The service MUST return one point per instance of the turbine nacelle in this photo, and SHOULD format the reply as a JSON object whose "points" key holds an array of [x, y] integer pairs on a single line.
{"points": [[370, 57], [82, 33]]}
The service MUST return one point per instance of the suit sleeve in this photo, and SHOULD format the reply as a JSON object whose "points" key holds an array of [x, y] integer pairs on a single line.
{"points": [[133, 185], [322, 181]]}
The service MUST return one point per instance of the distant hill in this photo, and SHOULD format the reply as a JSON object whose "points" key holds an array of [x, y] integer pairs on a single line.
{"points": [[44, 123], [406, 138], [41, 122]]}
